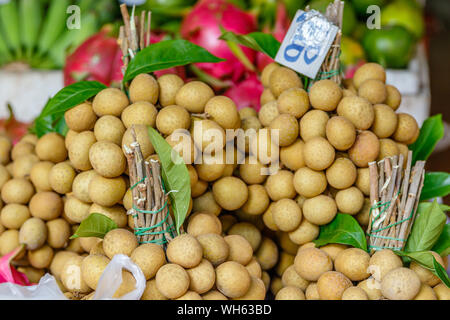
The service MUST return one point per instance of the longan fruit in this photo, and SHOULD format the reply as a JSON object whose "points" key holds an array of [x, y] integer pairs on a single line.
{"points": [[385, 122], [393, 97], [61, 177], [202, 223], [240, 249], [350, 200], [331, 285], [304, 233], [426, 293], [230, 193], [442, 292], [292, 278], [258, 200], [280, 185], [206, 203], [388, 148], [313, 124], [39, 175], [59, 260], [249, 231], [92, 268], [9, 240], [59, 232], [251, 171], [169, 84], [325, 95], [425, 275], [353, 263], [171, 118], [80, 185], [22, 149], [354, 293], [69, 138], [33, 274], [406, 128], [266, 96], [22, 165], [264, 146], [247, 112], [41, 258], [190, 295], [383, 261], [215, 248], [285, 260], [199, 188], [341, 174], [358, 110], [109, 128], [373, 90], [368, 71], [106, 191], [14, 215], [287, 127], [267, 253], [88, 243], [223, 110], [17, 191], [97, 248], [372, 288], [414, 138], [71, 275], [319, 210], [144, 88], [294, 101], [309, 183], [79, 150], [5, 176], [292, 155], [340, 132], [286, 244], [400, 284], [119, 241], [81, 117], [268, 112], [46, 205], [33, 233], [365, 149], [51, 147], [265, 74], [172, 281], [208, 136], [149, 257], [151, 292], [76, 210], [276, 285], [257, 290], [110, 101], [211, 168], [141, 112], [185, 250], [363, 180], [232, 279], [311, 263], [141, 137], [282, 79], [318, 153], [5, 148], [363, 215], [287, 215], [333, 249], [181, 142], [254, 268], [193, 96], [107, 159], [311, 292], [202, 277]]}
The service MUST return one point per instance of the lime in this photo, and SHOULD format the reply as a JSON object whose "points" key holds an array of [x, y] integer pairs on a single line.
{"points": [[348, 19], [400, 13], [391, 46], [361, 5], [351, 51]]}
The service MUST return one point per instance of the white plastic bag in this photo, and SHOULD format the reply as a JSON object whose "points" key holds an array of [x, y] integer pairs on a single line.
{"points": [[110, 281]]}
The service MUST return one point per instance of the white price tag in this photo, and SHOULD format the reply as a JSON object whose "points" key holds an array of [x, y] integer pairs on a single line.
{"points": [[307, 42]]}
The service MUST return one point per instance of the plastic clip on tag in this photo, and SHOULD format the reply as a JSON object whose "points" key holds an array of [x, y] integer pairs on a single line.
{"points": [[307, 43]]}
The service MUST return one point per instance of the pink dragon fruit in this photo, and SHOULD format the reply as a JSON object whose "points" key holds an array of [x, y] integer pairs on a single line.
{"points": [[202, 27], [247, 92]]}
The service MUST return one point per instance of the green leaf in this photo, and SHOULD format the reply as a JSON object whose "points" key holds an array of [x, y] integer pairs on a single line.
{"points": [[344, 229], [427, 228], [50, 118], [175, 176], [426, 205], [167, 54], [258, 41], [431, 132], [436, 184], [442, 245], [428, 261], [96, 225]]}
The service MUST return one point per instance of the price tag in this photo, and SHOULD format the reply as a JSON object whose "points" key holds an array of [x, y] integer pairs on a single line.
{"points": [[307, 42]]}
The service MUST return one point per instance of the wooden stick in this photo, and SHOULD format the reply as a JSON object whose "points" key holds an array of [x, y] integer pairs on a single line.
{"points": [[149, 23]]}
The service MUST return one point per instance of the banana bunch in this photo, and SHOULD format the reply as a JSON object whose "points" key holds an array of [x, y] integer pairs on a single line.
{"points": [[35, 32]]}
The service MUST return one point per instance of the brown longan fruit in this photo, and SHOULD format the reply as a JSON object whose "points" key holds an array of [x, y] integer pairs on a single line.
{"points": [[110, 101], [247, 112], [393, 97], [81, 117], [309, 183], [267, 253], [292, 278], [79, 150], [199, 188], [282, 79], [76, 210], [141, 137], [92, 268], [211, 168], [350, 200], [17, 191], [341, 174], [80, 185], [368, 71], [141, 112], [318, 153], [107, 159], [311, 292], [144, 88], [340, 132], [311, 263], [223, 110], [69, 138], [202, 223], [193, 96], [442, 292], [294, 101], [215, 248], [109, 128], [285, 260], [385, 121], [257, 290], [185, 250], [232, 279], [208, 135], [325, 95], [51, 147], [365, 149], [266, 96], [249, 231], [151, 292], [373, 90], [46, 205], [265, 74], [425, 275], [240, 249], [304, 233], [41, 258], [202, 277], [254, 268], [14, 215], [106, 191], [353, 263], [313, 124], [287, 215], [149, 257], [426, 293], [388, 148], [171, 118], [372, 288], [206, 203], [406, 128], [33, 233], [333, 249], [88, 243], [61, 177], [230, 193], [400, 284], [275, 285], [268, 112], [319, 210], [258, 200], [354, 293], [5, 176], [181, 142], [58, 262], [22, 165], [119, 241], [71, 276], [250, 171], [363, 215], [39, 175], [331, 285], [9, 240], [116, 213], [5, 148], [358, 110], [287, 127], [280, 185], [59, 232], [383, 261], [414, 138], [292, 155], [169, 84], [363, 180], [22, 148]]}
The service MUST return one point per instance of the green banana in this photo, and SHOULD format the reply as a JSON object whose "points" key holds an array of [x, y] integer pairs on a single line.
{"points": [[4, 51], [54, 24], [30, 13], [9, 21], [89, 26]]}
